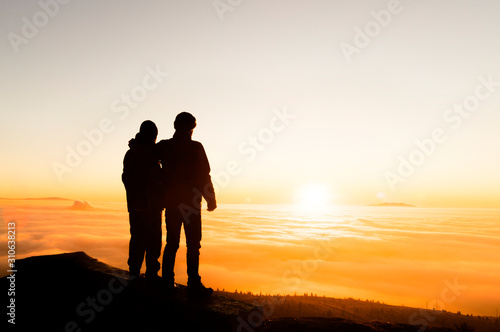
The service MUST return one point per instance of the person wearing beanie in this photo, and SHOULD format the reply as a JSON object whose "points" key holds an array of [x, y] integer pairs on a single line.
{"points": [[187, 180], [142, 179]]}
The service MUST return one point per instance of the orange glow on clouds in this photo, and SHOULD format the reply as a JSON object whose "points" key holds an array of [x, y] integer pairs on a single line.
{"points": [[396, 255]]}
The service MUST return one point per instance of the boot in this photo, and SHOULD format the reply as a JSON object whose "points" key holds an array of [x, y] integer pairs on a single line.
{"points": [[197, 290]]}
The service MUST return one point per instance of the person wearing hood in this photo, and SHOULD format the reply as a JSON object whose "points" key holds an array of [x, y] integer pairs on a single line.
{"points": [[142, 179]]}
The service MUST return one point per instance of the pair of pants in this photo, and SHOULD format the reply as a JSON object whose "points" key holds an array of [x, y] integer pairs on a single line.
{"points": [[176, 215], [145, 239]]}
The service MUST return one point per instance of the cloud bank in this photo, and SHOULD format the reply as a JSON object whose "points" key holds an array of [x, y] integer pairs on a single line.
{"points": [[397, 261]]}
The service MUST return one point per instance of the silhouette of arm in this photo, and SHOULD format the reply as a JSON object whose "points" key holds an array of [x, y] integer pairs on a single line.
{"points": [[208, 191]]}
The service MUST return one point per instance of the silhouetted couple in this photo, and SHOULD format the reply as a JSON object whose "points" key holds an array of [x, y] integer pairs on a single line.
{"points": [[173, 174]]}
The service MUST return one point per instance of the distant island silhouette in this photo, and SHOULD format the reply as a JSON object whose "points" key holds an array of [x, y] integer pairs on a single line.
{"points": [[393, 204], [38, 199], [81, 205]]}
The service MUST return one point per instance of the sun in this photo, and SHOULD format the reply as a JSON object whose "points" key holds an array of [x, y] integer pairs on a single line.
{"points": [[313, 195]]}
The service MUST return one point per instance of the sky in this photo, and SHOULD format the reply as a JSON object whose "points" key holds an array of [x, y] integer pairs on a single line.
{"points": [[366, 101]]}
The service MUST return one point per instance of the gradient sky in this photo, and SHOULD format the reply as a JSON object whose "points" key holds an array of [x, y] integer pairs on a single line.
{"points": [[352, 119]]}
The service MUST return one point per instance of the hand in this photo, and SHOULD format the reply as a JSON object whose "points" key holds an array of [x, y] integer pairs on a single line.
{"points": [[131, 143], [212, 205]]}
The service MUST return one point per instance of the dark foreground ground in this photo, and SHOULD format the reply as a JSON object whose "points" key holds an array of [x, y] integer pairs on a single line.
{"points": [[75, 292], [281, 308]]}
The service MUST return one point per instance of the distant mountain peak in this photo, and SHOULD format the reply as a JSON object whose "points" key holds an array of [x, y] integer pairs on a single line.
{"points": [[81, 205]]}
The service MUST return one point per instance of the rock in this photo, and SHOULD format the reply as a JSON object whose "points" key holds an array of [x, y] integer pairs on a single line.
{"points": [[75, 292], [322, 324]]}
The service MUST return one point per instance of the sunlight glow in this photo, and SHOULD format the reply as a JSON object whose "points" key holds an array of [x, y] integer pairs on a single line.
{"points": [[313, 195]]}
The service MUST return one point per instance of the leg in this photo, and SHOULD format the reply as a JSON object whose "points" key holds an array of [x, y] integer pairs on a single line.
{"points": [[192, 229], [173, 221], [153, 244], [137, 244]]}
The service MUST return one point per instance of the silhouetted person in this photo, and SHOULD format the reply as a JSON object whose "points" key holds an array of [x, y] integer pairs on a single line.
{"points": [[187, 179], [141, 177]]}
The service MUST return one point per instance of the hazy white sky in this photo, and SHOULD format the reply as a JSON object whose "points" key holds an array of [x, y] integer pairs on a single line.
{"points": [[356, 101]]}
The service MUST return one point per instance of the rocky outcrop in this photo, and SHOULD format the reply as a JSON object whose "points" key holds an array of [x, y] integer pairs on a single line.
{"points": [[75, 292]]}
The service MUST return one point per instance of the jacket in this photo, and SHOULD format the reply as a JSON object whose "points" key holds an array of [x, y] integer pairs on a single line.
{"points": [[142, 177], [186, 170]]}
